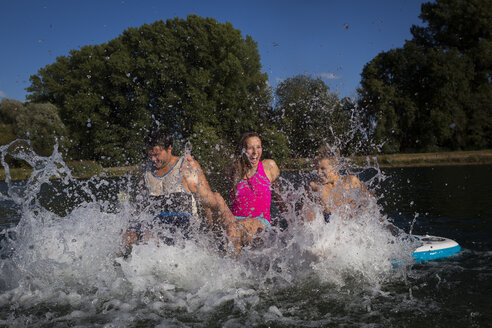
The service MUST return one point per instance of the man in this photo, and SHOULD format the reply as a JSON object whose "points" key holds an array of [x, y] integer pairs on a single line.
{"points": [[171, 188]]}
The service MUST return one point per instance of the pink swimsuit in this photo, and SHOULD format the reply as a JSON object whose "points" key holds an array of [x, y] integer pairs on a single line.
{"points": [[253, 198]]}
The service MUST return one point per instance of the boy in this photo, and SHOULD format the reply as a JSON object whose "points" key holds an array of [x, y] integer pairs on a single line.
{"points": [[330, 190]]}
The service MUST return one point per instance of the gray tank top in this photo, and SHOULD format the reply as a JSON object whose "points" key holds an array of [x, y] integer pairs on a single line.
{"points": [[168, 184]]}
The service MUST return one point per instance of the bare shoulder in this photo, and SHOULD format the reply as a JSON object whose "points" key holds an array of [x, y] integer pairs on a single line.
{"points": [[269, 163], [192, 174], [351, 181], [271, 169], [193, 163]]}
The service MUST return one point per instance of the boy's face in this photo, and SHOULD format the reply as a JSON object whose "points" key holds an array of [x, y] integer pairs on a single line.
{"points": [[159, 156], [327, 172]]}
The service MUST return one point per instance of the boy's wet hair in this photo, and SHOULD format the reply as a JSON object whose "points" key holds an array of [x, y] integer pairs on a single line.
{"points": [[158, 138], [326, 152]]}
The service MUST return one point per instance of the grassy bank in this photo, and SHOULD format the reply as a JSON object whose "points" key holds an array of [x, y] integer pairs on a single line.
{"points": [[87, 169], [82, 170], [476, 157]]}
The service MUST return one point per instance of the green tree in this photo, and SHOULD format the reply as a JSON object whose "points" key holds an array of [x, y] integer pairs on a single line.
{"points": [[41, 124], [307, 113], [7, 135], [435, 92], [38, 123], [174, 74], [275, 144], [9, 108]]}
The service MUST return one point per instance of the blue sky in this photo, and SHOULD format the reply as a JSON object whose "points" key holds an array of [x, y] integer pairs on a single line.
{"points": [[329, 39]]}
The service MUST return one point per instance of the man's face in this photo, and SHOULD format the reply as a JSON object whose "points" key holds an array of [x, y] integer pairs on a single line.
{"points": [[159, 156]]}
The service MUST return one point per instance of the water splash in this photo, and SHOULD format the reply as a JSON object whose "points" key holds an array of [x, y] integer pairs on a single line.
{"points": [[62, 266], [187, 148]]}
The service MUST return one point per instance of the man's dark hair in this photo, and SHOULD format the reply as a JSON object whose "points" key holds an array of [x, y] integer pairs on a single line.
{"points": [[159, 138]]}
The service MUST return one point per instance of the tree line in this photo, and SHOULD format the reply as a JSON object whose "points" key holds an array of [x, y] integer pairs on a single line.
{"points": [[202, 81], [435, 92]]}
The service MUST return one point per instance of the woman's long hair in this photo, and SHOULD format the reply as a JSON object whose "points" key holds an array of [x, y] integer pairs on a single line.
{"points": [[242, 163]]}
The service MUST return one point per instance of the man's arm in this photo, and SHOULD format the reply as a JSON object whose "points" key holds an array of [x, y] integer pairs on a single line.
{"points": [[195, 182]]}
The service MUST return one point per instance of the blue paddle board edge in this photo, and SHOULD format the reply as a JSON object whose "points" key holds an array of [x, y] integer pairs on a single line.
{"points": [[436, 254]]}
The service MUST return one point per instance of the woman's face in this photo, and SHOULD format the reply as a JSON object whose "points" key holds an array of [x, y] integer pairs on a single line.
{"points": [[254, 150]]}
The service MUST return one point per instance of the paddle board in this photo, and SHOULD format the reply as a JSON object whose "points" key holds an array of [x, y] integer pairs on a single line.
{"points": [[434, 248]]}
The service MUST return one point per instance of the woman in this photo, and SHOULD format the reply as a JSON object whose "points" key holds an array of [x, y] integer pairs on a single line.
{"points": [[252, 179]]}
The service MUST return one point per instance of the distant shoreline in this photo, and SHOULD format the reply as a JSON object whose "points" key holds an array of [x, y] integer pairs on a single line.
{"points": [[474, 157], [457, 158]]}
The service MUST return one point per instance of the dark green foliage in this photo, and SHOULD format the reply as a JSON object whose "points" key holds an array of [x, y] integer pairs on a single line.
{"points": [[7, 133], [308, 114], [8, 113], [276, 144], [435, 92], [181, 75], [38, 122], [9, 109]]}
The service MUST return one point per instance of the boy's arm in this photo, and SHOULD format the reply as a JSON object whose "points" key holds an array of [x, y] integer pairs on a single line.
{"points": [[307, 204]]}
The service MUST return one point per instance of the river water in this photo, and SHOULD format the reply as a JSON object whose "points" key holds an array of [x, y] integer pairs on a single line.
{"points": [[60, 267]]}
